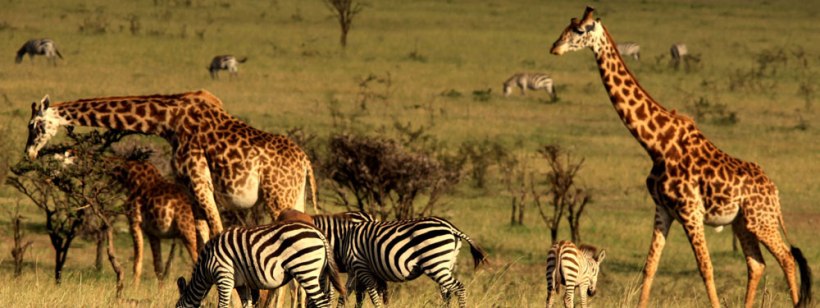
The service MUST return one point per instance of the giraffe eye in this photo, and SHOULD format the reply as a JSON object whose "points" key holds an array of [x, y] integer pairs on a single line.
{"points": [[577, 30]]}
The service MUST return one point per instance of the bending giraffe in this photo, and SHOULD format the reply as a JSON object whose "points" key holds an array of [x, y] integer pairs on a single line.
{"points": [[160, 209], [216, 155], [692, 181]]}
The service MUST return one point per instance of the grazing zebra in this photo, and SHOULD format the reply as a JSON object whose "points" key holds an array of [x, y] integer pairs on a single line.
{"points": [[44, 47], [225, 62], [335, 228], [630, 49], [532, 81], [377, 252], [572, 267], [264, 257]]}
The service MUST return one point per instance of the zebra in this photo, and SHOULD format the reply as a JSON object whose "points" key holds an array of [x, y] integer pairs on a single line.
{"points": [[225, 62], [630, 49], [335, 227], [43, 47], [532, 81], [376, 252], [263, 257], [572, 267], [681, 53]]}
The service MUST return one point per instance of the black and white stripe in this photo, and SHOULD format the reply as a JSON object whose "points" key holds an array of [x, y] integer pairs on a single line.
{"points": [[572, 267], [264, 257], [397, 251], [531, 81], [630, 49], [679, 53], [225, 62], [44, 47]]}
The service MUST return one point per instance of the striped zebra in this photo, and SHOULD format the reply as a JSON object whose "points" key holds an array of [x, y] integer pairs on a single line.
{"points": [[397, 251], [630, 49], [335, 227], [532, 81], [572, 267], [43, 47], [263, 257], [225, 62]]}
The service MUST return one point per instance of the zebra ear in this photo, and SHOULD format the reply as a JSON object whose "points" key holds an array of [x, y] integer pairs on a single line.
{"points": [[181, 284], [601, 256]]}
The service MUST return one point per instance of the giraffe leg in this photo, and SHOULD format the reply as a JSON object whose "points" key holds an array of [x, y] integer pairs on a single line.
{"points": [[136, 235], [662, 222], [754, 259], [189, 238], [775, 244], [156, 252], [203, 191], [695, 232]]}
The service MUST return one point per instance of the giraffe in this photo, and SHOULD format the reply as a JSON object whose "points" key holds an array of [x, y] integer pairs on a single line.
{"points": [[220, 158], [161, 209], [691, 180]]}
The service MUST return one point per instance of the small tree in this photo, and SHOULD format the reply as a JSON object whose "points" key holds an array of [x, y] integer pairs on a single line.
{"points": [[344, 11], [18, 251], [73, 190], [561, 193]]}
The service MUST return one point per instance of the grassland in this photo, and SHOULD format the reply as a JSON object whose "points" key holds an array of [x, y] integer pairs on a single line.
{"points": [[297, 68]]}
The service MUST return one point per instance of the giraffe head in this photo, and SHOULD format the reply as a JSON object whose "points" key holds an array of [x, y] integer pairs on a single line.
{"points": [[43, 125], [579, 34]]}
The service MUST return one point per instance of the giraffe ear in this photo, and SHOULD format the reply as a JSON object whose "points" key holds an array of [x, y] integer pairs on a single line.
{"points": [[45, 102]]}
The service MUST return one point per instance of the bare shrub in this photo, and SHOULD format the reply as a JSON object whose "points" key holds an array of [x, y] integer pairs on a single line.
{"points": [[562, 195], [379, 176], [344, 11], [482, 155], [20, 245]]}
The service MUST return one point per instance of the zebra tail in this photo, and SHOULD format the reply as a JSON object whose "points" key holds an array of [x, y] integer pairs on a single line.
{"points": [[805, 277], [333, 272], [479, 255], [242, 60], [58, 53]]}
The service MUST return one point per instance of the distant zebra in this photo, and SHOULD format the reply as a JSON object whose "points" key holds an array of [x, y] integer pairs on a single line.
{"points": [[572, 267], [532, 81], [43, 47], [377, 252], [264, 257], [335, 228], [679, 53], [630, 49], [225, 62]]}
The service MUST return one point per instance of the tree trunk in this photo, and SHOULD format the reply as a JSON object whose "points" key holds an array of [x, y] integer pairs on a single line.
{"points": [[112, 257], [98, 262]]}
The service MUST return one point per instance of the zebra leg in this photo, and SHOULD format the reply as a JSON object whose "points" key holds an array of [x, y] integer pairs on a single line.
{"points": [[370, 283], [313, 289], [245, 296], [568, 296], [551, 297], [224, 286], [583, 293]]}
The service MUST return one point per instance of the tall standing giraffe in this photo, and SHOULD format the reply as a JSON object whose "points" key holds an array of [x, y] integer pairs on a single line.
{"points": [[160, 208], [691, 180], [220, 158]]}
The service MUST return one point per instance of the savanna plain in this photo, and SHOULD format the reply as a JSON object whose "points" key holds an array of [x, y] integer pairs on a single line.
{"points": [[437, 67]]}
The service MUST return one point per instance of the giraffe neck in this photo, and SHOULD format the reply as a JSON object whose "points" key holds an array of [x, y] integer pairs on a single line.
{"points": [[163, 115], [645, 118]]}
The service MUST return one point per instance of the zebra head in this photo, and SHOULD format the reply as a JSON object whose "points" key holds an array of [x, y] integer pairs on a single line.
{"points": [[596, 268], [185, 301], [579, 34], [42, 126]]}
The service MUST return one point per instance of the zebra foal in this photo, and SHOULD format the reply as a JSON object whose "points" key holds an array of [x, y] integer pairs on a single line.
{"points": [[532, 81], [397, 251], [44, 47], [572, 267], [264, 257]]}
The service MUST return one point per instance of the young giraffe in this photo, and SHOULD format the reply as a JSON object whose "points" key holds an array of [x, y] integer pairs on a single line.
{"points": [[219, 157], [691, 180], [159, 208]]}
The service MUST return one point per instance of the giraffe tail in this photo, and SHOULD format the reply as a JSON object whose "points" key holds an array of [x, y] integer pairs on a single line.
{"points": [[805, 277], [312, 178]]}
